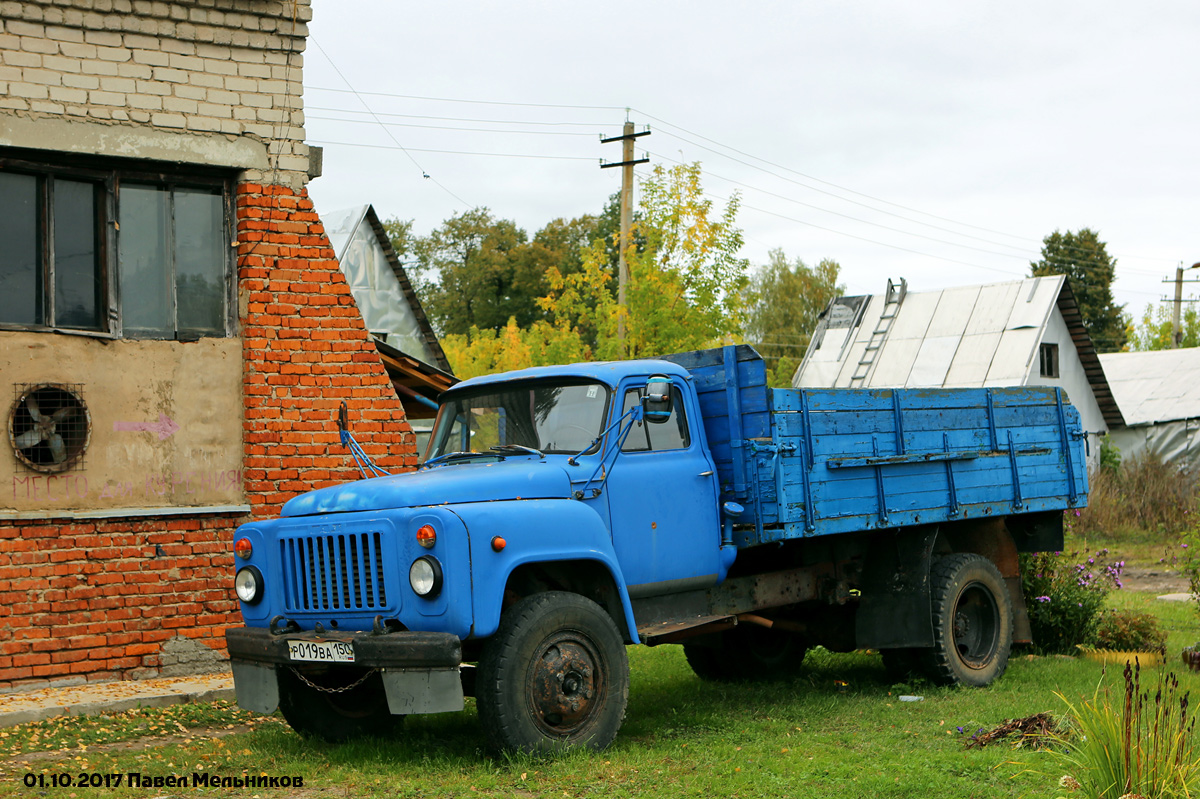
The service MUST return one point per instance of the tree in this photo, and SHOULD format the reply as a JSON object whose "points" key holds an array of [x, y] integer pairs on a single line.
{"points": [[685, 291], [1157, 328], [783, 303], [1084, 259]]}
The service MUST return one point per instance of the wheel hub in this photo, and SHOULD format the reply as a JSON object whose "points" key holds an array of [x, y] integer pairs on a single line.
{"points": [[563, 686], [976, 626]]}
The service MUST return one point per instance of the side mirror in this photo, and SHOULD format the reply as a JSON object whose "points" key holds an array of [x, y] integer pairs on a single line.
{"points": [[656, 402]]}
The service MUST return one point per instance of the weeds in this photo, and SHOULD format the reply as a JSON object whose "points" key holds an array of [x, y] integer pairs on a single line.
{"points": [[1142, 494], [1064, 594], [1140, 746]]}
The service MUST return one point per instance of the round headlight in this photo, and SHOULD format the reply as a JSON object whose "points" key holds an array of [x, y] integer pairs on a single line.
{"points": [[248, 584], [425, 577]]}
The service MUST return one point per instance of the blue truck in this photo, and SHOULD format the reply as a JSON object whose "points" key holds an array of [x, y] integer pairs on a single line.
{"points": [[563, 513]]}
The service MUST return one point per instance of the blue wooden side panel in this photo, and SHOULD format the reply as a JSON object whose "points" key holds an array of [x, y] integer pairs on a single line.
{"points": [[713, 376], [843, 460]]}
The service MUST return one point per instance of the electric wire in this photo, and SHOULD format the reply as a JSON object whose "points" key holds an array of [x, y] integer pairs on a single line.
{"points": [[355, 92], [454, 152]]}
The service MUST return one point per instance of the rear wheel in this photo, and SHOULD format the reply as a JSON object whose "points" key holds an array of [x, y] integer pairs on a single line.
{"points": [[553, 676], [335, 704], [747, 652], [972, 621]]}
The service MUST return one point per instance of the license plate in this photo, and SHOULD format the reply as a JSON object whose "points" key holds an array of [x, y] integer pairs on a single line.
{"points": [[325, 651]]}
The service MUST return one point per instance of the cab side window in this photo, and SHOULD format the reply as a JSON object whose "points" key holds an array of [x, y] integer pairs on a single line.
{"points": [[671, 434]]}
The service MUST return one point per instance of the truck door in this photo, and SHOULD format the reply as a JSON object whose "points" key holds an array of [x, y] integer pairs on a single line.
{"points": [[662, 497]]}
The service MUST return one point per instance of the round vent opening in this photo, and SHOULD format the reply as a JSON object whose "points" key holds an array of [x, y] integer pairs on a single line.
{"points": [[49, 427]]}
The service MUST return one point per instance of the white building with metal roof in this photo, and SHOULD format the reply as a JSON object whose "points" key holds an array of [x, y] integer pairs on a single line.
{"points": [[1018, 333], [1159, 396]]}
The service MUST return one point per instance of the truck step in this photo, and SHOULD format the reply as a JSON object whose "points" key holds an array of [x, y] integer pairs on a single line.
{"points": [[673, 631]]}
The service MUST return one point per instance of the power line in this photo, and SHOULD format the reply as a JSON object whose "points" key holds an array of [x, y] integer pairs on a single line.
{"points": [[470, 102], [451, 127], [852, 191], [455, 152], [591, 125], [353, 91]]}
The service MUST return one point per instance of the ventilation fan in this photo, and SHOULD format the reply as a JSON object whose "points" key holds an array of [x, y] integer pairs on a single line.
{"points": [[48, 427]]}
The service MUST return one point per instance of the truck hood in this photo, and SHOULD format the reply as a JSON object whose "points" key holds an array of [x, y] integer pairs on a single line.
{"points": [[513, 478]]}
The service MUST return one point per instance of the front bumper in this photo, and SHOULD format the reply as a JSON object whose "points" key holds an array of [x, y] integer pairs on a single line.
{"points": [[420, 670]]}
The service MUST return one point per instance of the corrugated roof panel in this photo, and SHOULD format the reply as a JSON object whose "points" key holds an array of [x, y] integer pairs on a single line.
{"points": [[894, 363], [993, 308], [933, 362], [914, 316], [1154, 387], [1012, 359], [1035, 299], [972, 360], [954, 311]]}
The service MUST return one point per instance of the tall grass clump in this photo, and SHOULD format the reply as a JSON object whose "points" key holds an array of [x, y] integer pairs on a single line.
{"points": [[1139, 745], [1141, 496]]}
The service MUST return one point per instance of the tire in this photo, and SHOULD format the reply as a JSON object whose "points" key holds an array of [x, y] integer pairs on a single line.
{"points": [[746, 653], [972, 621], [553, 676], [336, 717]]}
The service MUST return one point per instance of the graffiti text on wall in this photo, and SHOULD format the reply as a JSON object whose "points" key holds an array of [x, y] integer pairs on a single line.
{"points": [[73, 487]]}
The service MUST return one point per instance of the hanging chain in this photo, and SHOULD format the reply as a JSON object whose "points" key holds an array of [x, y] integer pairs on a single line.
{"points": [[325, 690]]}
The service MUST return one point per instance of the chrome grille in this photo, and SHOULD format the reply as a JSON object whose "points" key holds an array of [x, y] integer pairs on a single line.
{"points": [[339, 571]]}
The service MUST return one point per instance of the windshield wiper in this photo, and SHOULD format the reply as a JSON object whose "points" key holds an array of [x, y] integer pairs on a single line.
{"points": [[521, 448], [456, 456]]}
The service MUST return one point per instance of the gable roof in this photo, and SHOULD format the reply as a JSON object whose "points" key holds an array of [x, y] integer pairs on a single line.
{"points": [[1156, 386], [967, 336], [380, 286]]}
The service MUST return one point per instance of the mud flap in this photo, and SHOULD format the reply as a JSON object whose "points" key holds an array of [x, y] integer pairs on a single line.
{"points": [[895, 611], [412, 691], [255, 686]]}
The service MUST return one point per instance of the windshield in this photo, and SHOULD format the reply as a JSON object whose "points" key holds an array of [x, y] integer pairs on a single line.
{"points": [[550, 417]]}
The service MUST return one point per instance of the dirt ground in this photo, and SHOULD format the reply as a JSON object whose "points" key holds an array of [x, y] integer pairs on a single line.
{"points": [[1156, 581]]}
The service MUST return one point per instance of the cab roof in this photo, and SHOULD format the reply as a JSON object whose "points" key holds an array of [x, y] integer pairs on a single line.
{"points": [[608, 372]]}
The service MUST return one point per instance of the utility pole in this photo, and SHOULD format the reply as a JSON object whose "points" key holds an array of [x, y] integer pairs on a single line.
{"points": [[1176, 326], [626, 163]]}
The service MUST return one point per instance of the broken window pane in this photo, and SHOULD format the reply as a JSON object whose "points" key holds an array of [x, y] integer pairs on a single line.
{"points": [[77, 284], [20, 270], [200, 260], [144, 261]]}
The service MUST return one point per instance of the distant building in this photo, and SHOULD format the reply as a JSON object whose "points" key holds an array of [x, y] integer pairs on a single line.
{"points": [[1159, 396], [393, 314], [1020, 333]]}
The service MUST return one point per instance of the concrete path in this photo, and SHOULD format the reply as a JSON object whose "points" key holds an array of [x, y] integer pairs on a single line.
{"points": [[112, 697]]}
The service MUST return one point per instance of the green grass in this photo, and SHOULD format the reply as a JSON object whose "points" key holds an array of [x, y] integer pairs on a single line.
{"points": [[681, 738]]}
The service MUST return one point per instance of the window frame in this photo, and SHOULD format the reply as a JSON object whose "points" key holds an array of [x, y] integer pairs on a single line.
{"points": [[679, 417], [1048, 360], [110, 173]]}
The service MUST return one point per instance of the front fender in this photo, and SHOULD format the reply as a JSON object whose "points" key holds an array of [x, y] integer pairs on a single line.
{"points": [[535, 531]]}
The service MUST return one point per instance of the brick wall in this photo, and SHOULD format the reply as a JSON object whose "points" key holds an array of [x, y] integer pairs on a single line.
{"points": [[127, 597], [124, 598], [306, 350], [228, 67]]}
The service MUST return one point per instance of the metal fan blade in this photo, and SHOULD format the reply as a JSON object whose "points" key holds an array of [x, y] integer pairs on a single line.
{"points": [[57, 448], [62, 413], [32, 406], [29, 438]]}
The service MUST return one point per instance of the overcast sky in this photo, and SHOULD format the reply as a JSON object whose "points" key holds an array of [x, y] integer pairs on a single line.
{"points": [[938, 144]]}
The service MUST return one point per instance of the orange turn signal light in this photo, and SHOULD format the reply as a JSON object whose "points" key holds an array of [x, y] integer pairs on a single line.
{"points": [[498, 544], [243, 548], [427, 536]]}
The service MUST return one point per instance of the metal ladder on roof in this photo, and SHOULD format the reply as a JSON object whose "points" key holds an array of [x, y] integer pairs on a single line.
{"points": [[891, 306]]}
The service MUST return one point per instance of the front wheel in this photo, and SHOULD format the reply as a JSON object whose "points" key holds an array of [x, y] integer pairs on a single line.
{"points": [[972, 621], [335, 704], [553, 676]]}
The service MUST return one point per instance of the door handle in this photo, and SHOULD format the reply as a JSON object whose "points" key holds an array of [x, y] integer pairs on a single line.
{"points": [[705, 474]]}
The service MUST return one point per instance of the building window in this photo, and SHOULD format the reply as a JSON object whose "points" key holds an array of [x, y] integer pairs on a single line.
{"points": [[115, 249], [1048, 357]]}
